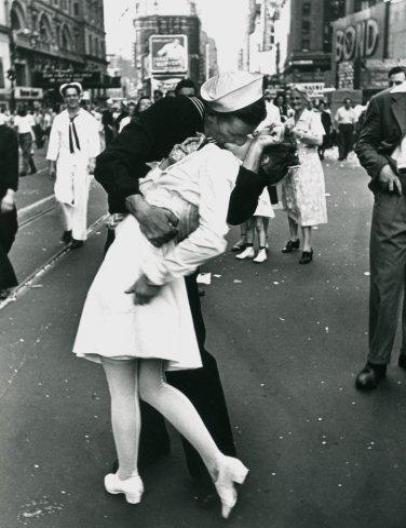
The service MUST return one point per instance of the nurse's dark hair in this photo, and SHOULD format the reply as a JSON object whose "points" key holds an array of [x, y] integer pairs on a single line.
{"points": [[252, 114]]}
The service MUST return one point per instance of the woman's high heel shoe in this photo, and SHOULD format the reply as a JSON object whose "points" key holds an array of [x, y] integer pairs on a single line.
{"points": [[307, 257], [231, 471], [132, 488], [291, 245]]}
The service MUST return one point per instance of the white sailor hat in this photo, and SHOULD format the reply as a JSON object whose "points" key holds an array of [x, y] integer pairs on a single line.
{"points": [[76, 85], [231, 91]]}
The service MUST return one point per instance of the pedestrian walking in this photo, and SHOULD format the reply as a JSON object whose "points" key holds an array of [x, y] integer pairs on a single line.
{"points": [[157, 95], [119, 169], [123, 336], [131, 109], [303, 189], [282, 102], [257, 225], [381, 150], [38, 127], [187, 88], [144, 102], [47, 121], [110, 130], [345, 121], [73, 146], [24, 124], [327, 125], [8, 213]]}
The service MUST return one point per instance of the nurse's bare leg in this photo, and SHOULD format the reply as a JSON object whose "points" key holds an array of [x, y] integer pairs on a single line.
{"points": [[122, 380], [181, 413]]}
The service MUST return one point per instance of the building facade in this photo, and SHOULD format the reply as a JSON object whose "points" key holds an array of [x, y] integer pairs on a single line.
{"points": [[170, 45], [208, 54], [368, 41], [258, 55], [52, 41], [303, 37], [5, 61]]}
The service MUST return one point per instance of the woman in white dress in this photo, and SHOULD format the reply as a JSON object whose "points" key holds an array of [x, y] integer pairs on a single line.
{"points": [[136, 320], [303, 190]]}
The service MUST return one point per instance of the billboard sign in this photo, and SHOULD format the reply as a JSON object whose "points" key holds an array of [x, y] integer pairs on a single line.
{"points": [[360, 35], [89, 79], [168, 54]]}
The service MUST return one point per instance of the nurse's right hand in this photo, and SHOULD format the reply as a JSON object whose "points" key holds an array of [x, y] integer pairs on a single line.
{"points": [[156, 223]]}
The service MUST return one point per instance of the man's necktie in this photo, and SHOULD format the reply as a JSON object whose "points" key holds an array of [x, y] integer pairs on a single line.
{"points": [[73, 135]]}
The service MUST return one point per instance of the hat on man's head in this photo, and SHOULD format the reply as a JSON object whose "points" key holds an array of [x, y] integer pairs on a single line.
{"points": [[231, 91], [65, 86]]}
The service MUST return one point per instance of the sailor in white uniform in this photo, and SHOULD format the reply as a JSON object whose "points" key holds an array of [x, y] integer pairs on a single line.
{"points": [[73, 146]]}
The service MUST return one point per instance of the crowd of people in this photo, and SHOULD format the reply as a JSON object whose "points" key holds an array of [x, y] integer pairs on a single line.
{"points": [[178, 171], [37, 127]]}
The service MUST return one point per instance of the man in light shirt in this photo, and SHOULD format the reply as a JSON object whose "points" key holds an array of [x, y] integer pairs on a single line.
{"points": [[24, 124], [344, 121], [381, 149]]}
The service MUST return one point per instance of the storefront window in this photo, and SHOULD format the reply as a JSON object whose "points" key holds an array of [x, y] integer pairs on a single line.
{"points": [[306, 8], [21, 74], [17, 17], [45, 29], [66, 39]]}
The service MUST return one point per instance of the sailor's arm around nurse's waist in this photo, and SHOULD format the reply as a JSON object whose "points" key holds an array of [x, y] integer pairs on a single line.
{"points": [[167, 122], [208, 239], [251, 178]]}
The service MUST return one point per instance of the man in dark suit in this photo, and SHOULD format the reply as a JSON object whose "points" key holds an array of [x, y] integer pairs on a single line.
{"points": [[381, 150], [118, 169], [8, 213]]}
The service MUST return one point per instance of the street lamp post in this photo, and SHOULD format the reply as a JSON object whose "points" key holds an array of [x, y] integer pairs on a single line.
{"points": [[386, 30], [11, 75]]}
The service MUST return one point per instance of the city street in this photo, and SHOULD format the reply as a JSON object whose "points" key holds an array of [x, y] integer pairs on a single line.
{"points": [[289, 341]]}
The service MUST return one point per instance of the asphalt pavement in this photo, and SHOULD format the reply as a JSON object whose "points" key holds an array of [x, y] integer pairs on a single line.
{"points": [[289, 341]]}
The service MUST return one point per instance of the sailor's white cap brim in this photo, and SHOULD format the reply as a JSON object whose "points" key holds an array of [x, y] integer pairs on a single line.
{"points": [[70, 85], [231, 91]]}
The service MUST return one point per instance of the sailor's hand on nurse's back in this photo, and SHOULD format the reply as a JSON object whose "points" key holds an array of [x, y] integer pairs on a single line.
{"points": [[157, 224], [143, 290]]}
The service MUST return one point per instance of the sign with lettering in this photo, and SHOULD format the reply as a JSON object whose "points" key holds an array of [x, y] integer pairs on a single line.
{"points": [[168, 54], [28, 92], [89, 79], [360, 35], [313, 88], [346, 75]]}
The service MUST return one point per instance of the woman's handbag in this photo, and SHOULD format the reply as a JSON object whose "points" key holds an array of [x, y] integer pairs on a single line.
{"points": [[277, 159]]}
